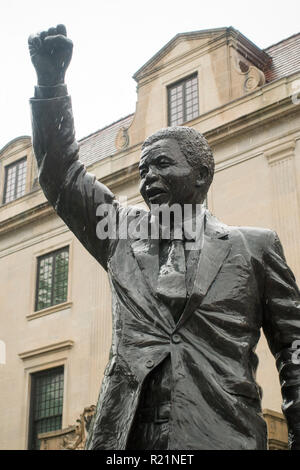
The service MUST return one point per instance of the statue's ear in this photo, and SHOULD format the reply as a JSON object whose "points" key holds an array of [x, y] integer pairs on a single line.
{"points": [[203, 174]]}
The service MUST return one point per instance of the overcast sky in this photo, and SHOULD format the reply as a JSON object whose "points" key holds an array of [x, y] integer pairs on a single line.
{"points": [[112, 40]]}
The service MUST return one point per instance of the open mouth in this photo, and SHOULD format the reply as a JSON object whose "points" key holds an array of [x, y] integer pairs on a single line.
{"points": [[155, 192]]}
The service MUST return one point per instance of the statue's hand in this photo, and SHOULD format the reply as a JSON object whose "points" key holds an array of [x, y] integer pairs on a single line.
{"points": [[51, 53]]}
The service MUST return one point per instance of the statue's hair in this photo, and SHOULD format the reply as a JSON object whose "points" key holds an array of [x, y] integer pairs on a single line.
{"points": [[192, 144]]}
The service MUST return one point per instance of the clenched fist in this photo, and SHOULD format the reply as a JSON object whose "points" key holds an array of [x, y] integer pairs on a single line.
{"points": [[51, 53]]}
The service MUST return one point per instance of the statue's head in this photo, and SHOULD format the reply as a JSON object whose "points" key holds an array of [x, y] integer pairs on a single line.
{"points": [[176, 166]]}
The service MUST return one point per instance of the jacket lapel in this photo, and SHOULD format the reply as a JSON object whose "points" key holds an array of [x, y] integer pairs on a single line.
{"points": [[146, 251], [215, 249]]}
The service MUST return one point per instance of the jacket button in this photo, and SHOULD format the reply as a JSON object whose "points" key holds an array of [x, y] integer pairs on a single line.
{"points": [[176, 339], [149, 364]]}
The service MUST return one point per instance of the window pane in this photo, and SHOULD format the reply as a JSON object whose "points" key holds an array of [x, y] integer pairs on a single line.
{"points": [[46, 404], [60, 287], [44, 293], [52, 279], [15, 180], [21, 179], [183, 101], [10, 183]]}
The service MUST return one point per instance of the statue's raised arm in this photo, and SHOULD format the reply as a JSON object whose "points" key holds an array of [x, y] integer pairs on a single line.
{"points": [[75, 194]]}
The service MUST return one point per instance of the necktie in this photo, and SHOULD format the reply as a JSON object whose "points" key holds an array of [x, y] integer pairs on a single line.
{"points": [[171, 279]]}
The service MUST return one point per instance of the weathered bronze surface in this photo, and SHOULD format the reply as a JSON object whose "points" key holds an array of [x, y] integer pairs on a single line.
{"points": [[186, 321]]}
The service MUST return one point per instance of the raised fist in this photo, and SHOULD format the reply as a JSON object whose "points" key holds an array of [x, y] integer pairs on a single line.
{"points": [[51, 53]]}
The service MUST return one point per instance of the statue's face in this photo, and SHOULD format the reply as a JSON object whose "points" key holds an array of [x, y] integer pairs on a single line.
{"points": [[166, 176]]}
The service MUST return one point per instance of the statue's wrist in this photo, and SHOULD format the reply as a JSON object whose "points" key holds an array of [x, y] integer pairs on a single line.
{"points": [[51, 91], [47, 79], [55, 82]]}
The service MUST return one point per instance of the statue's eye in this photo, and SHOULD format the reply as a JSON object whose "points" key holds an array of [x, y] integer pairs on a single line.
{"points": [[164, 164]]}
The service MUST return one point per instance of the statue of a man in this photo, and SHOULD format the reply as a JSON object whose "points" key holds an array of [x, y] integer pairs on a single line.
{"points": [[187, 308]]}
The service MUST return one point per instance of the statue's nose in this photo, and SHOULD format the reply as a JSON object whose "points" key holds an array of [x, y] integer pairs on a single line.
{"points": [[151, 176]]}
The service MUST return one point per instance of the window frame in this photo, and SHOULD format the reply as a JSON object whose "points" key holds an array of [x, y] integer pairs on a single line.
{"points": [[6, 168], [176, 84], [38, 260], [32, 403]]}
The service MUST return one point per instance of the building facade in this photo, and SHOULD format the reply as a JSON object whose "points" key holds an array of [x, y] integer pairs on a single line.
{"points": [[55, 299]]}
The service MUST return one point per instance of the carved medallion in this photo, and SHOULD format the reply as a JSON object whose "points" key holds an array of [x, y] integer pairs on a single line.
{"points": [[122, 139]]}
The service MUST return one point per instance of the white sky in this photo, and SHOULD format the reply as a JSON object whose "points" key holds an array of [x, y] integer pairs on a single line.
{"points": [[112, 40]]}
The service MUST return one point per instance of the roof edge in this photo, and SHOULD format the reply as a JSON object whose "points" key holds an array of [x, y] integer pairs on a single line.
{"points": [[12, 141], [105, 127], [261, 56], [164, 49], [282, 41], [249, 49]]}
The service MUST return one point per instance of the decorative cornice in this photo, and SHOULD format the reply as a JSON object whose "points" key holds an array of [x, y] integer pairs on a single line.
{"points": [[45, 209], [248, 49], [49, 348], [254, 151], [26, 217], [250, 121], [120, 177], [279, 152], [34, 240]]}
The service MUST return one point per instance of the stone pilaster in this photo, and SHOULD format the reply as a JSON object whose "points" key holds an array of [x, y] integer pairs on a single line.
{"points": [[100, 330], [285, 206]]}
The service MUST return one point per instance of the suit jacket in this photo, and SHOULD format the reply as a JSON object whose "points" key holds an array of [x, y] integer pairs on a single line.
{"points": [[242, 284]]}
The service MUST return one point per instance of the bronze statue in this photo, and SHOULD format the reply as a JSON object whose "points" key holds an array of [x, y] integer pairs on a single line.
{"points": [[187, 312]]}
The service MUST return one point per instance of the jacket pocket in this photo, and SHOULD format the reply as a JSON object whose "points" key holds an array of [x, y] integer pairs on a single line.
{"points": [[245, 389]]}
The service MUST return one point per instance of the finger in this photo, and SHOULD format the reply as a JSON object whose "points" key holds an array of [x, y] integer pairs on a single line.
{"points": [[52, 32], [43, 34], [31, 39], [34, 41], [61, 29], [57, 42]]}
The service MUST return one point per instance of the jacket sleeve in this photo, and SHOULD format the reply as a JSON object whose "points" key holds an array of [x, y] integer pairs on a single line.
{"points": [[75, 194], [281, 325]]}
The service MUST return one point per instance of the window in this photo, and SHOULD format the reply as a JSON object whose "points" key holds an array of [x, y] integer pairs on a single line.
{"points": [[15, 180], [46, 403], [183, 101], [52, 279]]}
